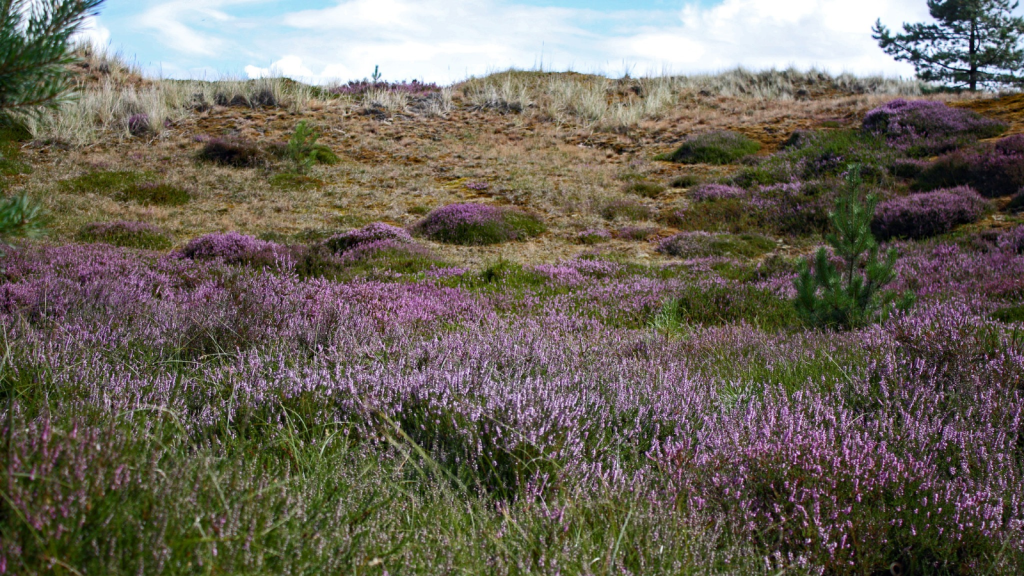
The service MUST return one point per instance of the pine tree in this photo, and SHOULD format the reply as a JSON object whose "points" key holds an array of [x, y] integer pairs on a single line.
{"points": [[973, 43], [34, 55], [852, 294]]}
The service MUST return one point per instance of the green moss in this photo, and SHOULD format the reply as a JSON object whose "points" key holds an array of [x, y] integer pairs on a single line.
{"points": [[154, 195], [722, 147], [104, 182]]}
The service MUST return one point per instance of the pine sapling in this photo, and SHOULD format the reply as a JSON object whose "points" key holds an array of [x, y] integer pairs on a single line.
{"points": [[850, 294]]}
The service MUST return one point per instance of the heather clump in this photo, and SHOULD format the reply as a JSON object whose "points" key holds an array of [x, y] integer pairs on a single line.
{"points": [[923, 128], [593, 236], [791, 209], [717, 303], [636, 233], [993, 170], [154, 194], [704, 245], [928, 213], [238, 153], [126, 234], [360, 87], [235, 248], [477, 224], [720, 147], [374, 247], [822, 155]]}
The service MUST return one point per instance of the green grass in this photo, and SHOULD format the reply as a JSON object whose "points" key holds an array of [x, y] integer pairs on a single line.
{"points": [[824, 154], [127, 186], [718, 305], [293, 181]]}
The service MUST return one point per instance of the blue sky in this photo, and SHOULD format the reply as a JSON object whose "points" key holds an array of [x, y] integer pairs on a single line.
{"points": [[448, 40]]}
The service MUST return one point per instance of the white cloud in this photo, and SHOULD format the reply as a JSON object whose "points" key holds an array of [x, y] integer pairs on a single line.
{"points": [[93, 32], [447, 40]]}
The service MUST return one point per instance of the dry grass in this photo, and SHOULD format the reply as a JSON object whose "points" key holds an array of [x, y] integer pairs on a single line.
{"points": [[561, 145]]}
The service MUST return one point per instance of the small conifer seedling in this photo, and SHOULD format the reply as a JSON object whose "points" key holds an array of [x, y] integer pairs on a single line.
{"points": [[849, 293]]}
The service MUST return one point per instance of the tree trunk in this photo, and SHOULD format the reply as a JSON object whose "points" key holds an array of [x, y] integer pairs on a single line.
{"points": [[972, 52]]}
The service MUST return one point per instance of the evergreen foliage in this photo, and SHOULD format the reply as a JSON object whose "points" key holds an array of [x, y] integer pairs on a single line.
{"points": [[21, 217], [34, 52], [973, 43], [304, 151], [849, 293]]}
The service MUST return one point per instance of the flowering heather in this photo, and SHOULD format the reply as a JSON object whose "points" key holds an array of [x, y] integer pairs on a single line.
{"points": [[635, 232], [593, 236], [719, 147], [993, 171], [126, 234], [706, 192], [928, 214], [139, 125], [374, 232], [1012, 241], [625, 209], [479, 224], [359, 87], [922, 128], [235, 248], [308, 409], [477, 186]]}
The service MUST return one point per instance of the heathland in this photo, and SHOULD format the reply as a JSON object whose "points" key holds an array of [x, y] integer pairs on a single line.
{"points": [[531, 323]]}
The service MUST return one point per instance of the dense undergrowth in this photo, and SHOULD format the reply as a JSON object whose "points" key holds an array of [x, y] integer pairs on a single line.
{"points": [[355, 404]]}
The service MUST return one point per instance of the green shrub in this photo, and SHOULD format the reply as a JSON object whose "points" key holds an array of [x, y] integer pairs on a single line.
{"points": [[1010, 314], [645, 189], [304, 151], [125, 234], [720, 147]]}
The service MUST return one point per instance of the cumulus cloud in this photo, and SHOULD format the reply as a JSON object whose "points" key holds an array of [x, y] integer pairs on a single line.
{"points": [[93, 32], [447, 40]]}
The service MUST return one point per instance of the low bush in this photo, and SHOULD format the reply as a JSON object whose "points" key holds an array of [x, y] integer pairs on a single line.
{"points": [[233, 152], [645, 189], [625, 209], [235, 248], [635, 232], [719, 147], [791, 209], [367, 235], [477, 224], [704, 244], [923, 128], [927, 214], [1012, 241], [593, 236], [1010, 315], [126, 234], [127, 186], [139, 125], [822, 155], [993, 171]]}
